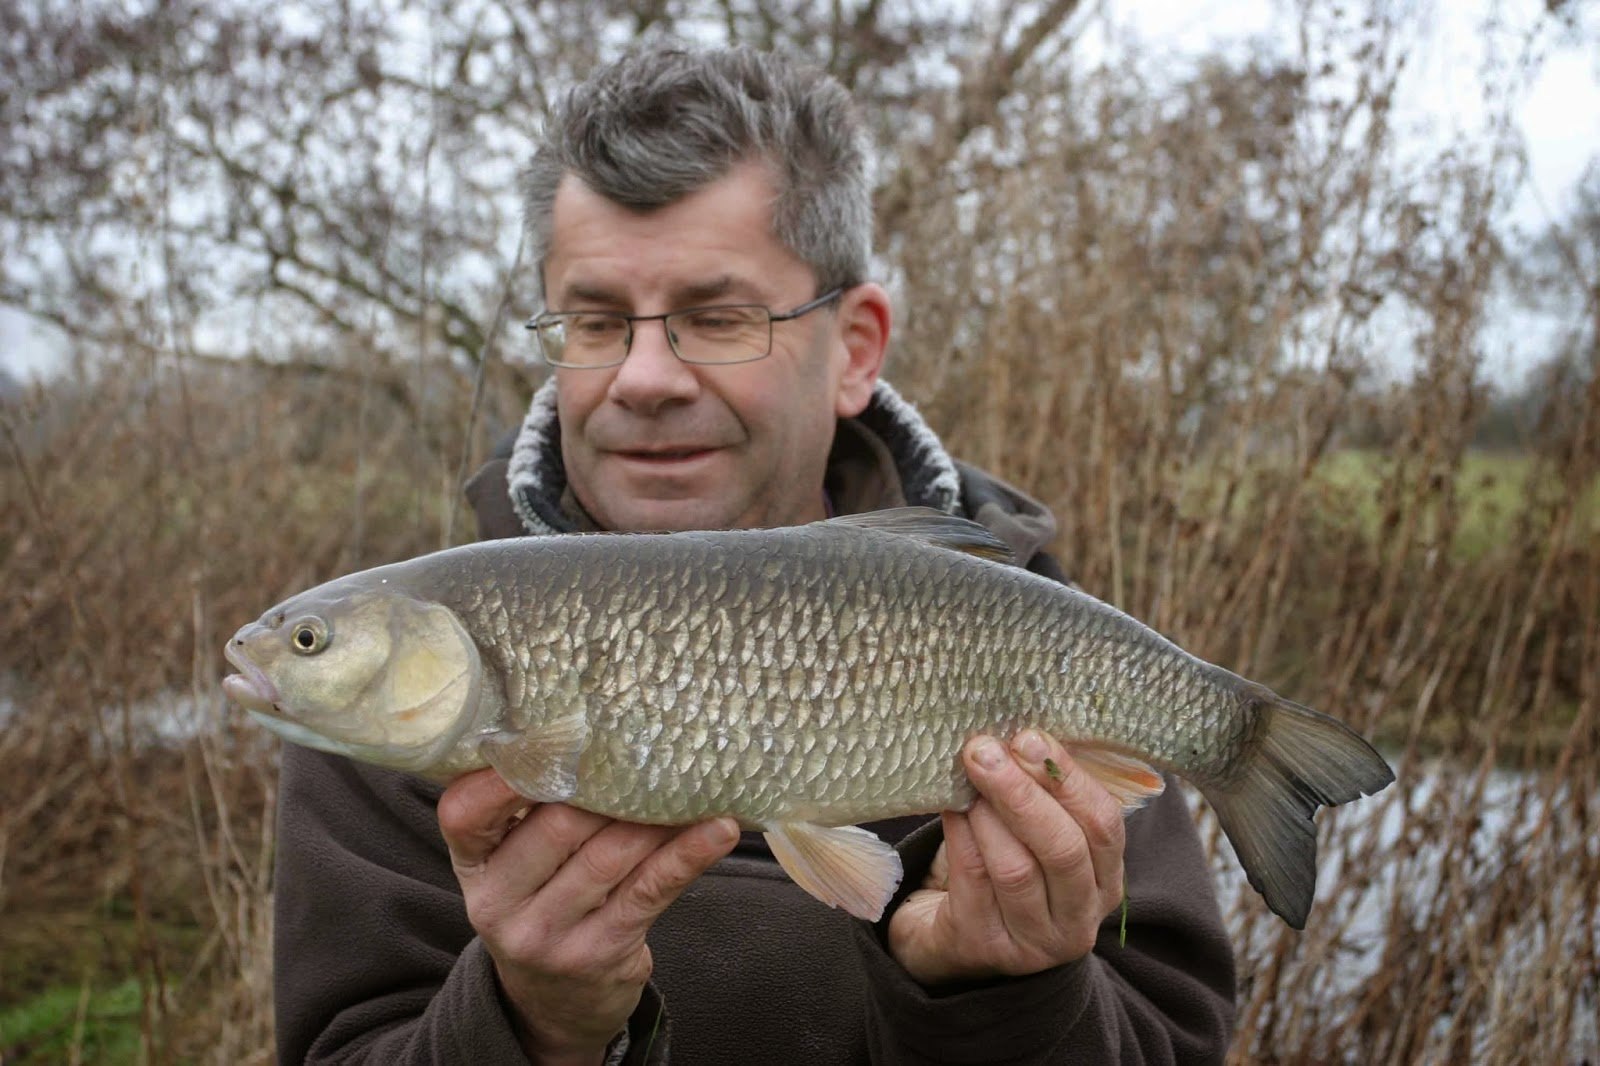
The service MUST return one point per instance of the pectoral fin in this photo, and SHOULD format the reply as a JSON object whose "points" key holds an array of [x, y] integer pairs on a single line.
{"points": [[540, 763], [1130, 781], [843, 866]]}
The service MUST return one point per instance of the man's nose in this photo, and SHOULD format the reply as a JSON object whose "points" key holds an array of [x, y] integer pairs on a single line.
{"points": [[652, 375]]}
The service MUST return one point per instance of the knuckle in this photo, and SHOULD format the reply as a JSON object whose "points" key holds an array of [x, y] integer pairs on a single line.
{"points": [[690, 851], [1063, 849], [970, 865], [1111, 897], [528, 942], [454, 814], [565, 825], [603, 862], [1102, 825], [1014, 787], [472, 800], [1075, 945], [1012, 876], [658, 882], [653, 887], [481, 916], [639, 967]]}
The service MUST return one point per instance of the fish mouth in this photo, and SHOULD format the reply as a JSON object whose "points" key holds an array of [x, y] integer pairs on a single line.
{"points": [[249, 688]]}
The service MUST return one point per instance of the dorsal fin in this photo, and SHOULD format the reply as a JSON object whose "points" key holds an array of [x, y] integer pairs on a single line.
{"points": [[934, 527]]}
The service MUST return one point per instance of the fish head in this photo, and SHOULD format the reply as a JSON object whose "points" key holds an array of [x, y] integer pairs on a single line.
{"points": [[368, 672]]}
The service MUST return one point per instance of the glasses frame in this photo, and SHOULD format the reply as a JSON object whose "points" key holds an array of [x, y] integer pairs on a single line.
{"points": [[545, 318]]}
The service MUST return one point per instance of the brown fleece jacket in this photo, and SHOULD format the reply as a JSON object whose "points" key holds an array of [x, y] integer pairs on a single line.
{"points": [[376, 962]]}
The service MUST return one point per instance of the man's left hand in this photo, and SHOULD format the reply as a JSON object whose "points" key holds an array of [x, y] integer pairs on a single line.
{"points": [[1025, 876]]}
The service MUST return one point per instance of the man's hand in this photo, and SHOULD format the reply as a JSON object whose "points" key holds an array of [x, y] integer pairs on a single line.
{"points": [[562, 900], [1024, 877]]}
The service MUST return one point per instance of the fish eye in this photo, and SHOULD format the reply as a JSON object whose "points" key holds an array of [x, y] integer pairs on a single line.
{"points": [[308, 637]]}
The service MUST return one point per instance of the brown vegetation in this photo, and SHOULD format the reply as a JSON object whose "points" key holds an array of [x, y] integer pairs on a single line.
{"points": [[1169, 308]]}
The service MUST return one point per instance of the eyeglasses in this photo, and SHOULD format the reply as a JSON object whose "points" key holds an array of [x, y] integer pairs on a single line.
{"points": [[730, 333]]}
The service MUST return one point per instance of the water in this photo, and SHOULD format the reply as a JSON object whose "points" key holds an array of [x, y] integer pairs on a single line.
{"points": [[1414, 821]]}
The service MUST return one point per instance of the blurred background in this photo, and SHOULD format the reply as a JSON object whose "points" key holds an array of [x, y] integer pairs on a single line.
{"points": [[1290, 310]]}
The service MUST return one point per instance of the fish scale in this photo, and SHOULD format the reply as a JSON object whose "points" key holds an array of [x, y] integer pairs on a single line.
{"points": [[797, 679]]}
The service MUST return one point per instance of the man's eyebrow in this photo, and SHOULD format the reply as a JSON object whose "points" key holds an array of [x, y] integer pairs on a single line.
{"points": [[588, 292], [693, 294], [705, 291]]}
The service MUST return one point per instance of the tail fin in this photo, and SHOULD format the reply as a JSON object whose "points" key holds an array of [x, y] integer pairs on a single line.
{"points": [[1299, 760]]}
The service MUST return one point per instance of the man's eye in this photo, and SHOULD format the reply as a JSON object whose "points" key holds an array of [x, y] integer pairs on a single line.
{"points": [[713, 321], [596, 326]]}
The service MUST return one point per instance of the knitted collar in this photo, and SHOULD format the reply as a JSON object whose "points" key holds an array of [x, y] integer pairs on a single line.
{"points": [[537, 477]]}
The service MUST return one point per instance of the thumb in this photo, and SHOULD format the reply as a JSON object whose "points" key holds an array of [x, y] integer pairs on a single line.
{"points": [[915, 931]]}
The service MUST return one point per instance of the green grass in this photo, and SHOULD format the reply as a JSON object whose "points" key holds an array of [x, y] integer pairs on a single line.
{"points": [[1493, 492], [101, 1025]]}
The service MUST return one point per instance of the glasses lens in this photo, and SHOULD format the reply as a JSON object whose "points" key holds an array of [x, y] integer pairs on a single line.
{"points": [[583, 339], [721, 334]]}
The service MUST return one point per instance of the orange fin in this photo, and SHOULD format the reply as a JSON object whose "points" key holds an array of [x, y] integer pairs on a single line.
{"points": [[1132, 782], [843, 866], [541, 763]]}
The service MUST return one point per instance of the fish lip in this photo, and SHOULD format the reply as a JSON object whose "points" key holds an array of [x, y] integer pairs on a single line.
{"points": [[249, 688]]}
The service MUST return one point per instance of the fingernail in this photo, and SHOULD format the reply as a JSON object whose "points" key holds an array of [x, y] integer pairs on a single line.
{"points": [[1031, 746], [988, 753]]}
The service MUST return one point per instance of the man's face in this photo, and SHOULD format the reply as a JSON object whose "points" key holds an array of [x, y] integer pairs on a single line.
{"points": [[659, 444]]}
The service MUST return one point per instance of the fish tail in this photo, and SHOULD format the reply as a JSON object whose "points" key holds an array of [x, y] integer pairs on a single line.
{"points": [[1296, 761]]}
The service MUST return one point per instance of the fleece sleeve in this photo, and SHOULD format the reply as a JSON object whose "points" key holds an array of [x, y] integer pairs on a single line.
{"points": [[374, 959], [1166, 996]]}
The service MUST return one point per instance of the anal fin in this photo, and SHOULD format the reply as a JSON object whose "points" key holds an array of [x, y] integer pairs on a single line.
{"points": [[843, 866], [540, 763], [1132, 782]]}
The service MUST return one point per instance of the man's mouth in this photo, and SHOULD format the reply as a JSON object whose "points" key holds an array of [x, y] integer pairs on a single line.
{"points": [[665, 455]]}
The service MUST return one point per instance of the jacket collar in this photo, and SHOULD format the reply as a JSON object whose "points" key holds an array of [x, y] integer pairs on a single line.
{"points": [[927, 476]]}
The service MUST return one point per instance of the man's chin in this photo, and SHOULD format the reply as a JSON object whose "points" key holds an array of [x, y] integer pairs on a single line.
{"points": [[625, 512], [675, 517]]}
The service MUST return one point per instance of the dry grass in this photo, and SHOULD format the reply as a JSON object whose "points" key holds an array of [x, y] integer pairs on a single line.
{"points": [[1164, 310]]}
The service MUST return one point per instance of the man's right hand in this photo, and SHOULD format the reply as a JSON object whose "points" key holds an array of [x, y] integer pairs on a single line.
{"points": [[562, 900]]}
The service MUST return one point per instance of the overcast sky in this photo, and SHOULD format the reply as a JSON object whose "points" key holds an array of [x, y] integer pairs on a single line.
{"points": [[1560, 115]]}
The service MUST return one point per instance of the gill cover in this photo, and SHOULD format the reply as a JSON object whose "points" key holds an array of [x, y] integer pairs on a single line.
{"points": [[428, 695]]}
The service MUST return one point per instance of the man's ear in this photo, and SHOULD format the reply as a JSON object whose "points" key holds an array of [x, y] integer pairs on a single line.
{"points": [[864, 318]]}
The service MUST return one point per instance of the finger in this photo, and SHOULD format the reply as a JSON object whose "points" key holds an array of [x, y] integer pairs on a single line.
{"points": [[938, 878], [1037, 819], [972, 902], [605, 860], [1021, 890], [662, 877], [1096, 813], [475, 814], [537, 848]]}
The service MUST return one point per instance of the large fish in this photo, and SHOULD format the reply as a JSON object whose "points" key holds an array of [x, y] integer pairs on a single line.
{"points": [[800, 679]]}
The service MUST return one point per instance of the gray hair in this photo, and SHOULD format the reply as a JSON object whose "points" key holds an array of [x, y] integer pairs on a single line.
{"points": [[665, 121]]}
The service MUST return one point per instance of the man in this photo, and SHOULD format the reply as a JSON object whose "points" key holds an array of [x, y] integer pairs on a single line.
{"points": [[702, 225]]}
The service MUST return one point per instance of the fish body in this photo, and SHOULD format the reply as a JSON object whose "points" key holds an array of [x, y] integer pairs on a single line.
{"points": [[800, 679]]}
